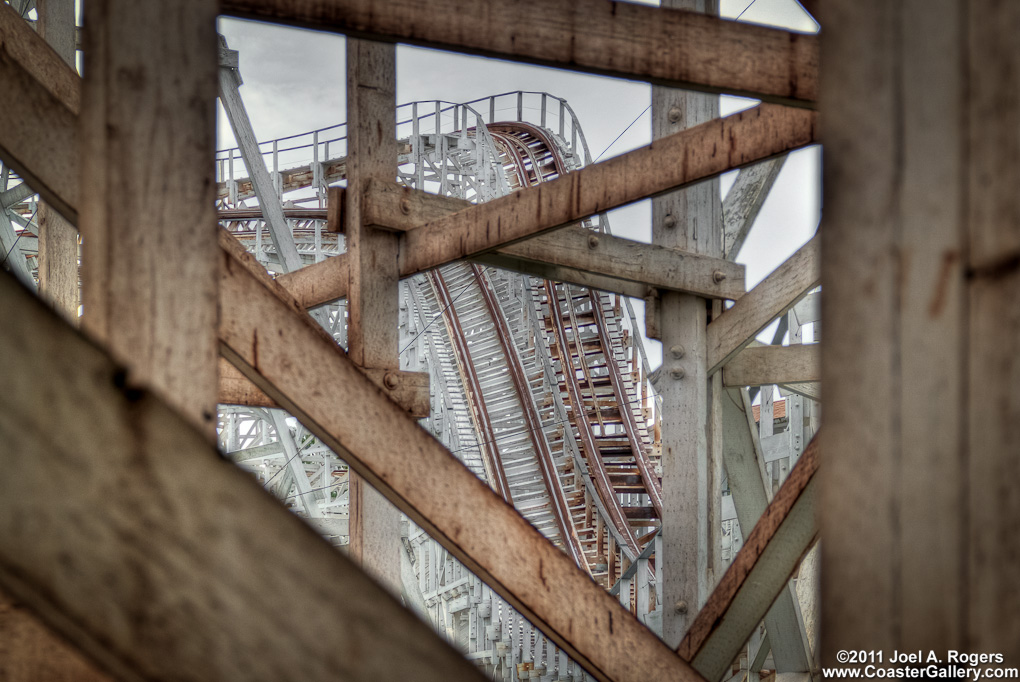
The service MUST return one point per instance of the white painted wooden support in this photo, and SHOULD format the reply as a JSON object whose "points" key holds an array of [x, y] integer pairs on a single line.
{"points": [[265, 189]]}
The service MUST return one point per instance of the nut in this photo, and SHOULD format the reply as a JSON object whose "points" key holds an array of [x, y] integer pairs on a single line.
{"points": [[718, 276], [405, 206], [677, 351], [677, 373], [675, 114], [669, 222], [681, 606], [593, 241], [390, 380]]}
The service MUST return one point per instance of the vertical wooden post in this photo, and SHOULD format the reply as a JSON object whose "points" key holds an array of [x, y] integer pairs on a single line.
{"points": [[690, 219], [921, 284], [58, 239], [148, 219], [373, 293]]}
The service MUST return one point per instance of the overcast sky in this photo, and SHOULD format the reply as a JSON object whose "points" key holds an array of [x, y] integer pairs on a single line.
{"points": [[294, 82]]}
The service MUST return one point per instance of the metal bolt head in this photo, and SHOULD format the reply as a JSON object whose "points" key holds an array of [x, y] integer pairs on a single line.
{"points": [[677, 373], [681, 606], [718, 276], [405, 206], [675, 114], [669, 222], [390, 380], [593, 241], [677, 351]]}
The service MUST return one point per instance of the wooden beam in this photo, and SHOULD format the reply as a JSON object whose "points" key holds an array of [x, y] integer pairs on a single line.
{"points": [[679, 160], [149, 287], [261, 330], [764, 365], [672, 48], [575, 249], [732, 331], [38, 123], [759, 572], [58, 239], [156, 547], [747, 137], [921, 279], [30, 651]]}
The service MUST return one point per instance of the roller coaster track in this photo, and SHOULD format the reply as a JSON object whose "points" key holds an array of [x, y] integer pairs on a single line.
{"points": [[533, 385]]}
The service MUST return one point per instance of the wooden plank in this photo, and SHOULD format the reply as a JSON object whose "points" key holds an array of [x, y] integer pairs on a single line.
{"points": [[764, 365], [260, 333], [609, 257], [673, 48], [235, 389], [759, 572], [157, 548], [744, 201], [690, 220], [38, 125], [149, 287], [373, 312], [732, 331], [30, 651], [704, 152], [58, 239], [993, 331], [391, 206]]}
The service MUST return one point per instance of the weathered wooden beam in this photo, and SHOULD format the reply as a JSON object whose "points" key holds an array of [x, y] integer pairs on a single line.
{"points": [[156, 547], [261, 330], [672, 48], [744, 201], [764, 365], [682, 159], [759, 572], [732, 331], [235, 389], [746, 137], [576, 249], [30, 651], [58, 239], [921, 279], [38, 122], [149, 287]]}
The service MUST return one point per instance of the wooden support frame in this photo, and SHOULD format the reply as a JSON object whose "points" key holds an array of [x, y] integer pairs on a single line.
{"points": [[736, 327], [143, 588], [748, 136], [763, 365], [261, 328], [759, 572], [665, 47]]}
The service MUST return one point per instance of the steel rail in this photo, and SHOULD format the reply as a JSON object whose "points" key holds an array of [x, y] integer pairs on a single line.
{"points": [[488, 445], [644, 464], [547, 464]]}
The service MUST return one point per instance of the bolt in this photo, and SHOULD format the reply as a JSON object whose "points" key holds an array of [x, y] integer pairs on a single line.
{"points": [[675, 114], [718, 276], [669, 222], [405, 206], [593, 241], [677, 351], [677, 373], [681, 606], [390, 380]]}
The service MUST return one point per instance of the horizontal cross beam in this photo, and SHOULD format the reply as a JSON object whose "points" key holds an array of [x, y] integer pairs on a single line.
{"points": [[766, 365], [663, 46]]}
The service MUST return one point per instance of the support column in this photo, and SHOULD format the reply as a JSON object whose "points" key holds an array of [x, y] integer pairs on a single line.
{"points": [[58, 239], [921, 310], [148, 219], [690, 219], [373, 293]]}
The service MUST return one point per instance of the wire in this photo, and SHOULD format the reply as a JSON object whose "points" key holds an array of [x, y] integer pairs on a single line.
{"points": [[744, 10], [624, 131]]}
